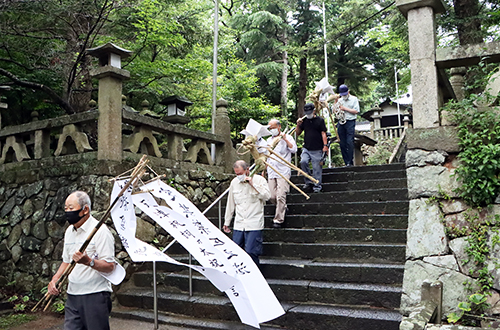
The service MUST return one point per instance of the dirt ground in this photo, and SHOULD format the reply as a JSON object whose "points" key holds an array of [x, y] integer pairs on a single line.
{"points": [[43, 321], [49, 321]]}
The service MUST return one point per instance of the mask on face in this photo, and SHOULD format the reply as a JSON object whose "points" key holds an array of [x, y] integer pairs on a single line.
{"points": [[345, 97], [274, 131], [241, 177], [310, 116], [73, 217]]}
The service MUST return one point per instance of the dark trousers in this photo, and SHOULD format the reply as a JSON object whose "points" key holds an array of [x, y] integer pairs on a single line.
{"points": [[88, 311], [346, 135], [251, 242]]}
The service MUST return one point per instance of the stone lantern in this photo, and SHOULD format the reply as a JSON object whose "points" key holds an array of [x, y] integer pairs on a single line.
{"points": [[110, 75], [175, 109], [3, 105]]}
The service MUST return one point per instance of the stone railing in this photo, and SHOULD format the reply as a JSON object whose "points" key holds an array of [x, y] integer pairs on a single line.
{"points": [[388, 132], [182, 147]]}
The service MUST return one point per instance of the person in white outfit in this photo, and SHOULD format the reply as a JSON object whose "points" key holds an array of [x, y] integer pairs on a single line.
{"points": [[279, 187]]}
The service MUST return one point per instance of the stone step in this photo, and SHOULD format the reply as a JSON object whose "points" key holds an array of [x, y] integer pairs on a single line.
{"points": [[354, 185], [346, 251], [377, 194], [297, 316], [180, 322], [363, 207], [348, 176], [386, 207], [368, 168], [300, 269], [347, 272], [364, 168], [325, 234], [374, 295], [395, 221]]}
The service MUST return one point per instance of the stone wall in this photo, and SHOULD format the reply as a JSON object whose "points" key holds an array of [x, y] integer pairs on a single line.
{"points": [[435, 206], [32, 221]]}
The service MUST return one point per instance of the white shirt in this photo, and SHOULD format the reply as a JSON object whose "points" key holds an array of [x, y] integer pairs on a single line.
{"points": [[285, 152], [247, 203], [83, 279]]}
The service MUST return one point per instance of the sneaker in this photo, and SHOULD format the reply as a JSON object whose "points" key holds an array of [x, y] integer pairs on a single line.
{"points": [[277, 225], [317, 190], [307, 188]]}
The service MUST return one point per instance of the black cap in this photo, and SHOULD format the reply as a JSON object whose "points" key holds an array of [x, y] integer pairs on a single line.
{"points": [[308, 108]]}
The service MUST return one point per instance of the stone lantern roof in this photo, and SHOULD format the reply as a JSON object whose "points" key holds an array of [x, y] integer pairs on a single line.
{"points": [[105, 49]]}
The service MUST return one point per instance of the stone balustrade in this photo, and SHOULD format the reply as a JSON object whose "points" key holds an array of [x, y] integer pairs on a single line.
{"points": [[67, 135], [388, 132]]}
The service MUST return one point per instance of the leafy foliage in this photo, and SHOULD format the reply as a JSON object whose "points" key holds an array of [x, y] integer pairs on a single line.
{"points": [[479, 133]]}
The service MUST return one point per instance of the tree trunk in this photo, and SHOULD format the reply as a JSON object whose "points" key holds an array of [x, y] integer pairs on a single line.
{"points": [[302, 86], [284, 82], [468, 22]]}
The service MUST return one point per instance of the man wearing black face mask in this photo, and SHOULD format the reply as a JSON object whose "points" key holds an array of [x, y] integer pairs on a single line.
{"points": [[315, 143], [89, 294]]}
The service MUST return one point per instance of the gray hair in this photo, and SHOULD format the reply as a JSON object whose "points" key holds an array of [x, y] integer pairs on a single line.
{"points": [[276, 121], [240, 163], [83, 198]]}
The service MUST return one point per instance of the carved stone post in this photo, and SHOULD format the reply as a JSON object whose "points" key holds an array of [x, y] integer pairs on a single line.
{"points": [[424, 76], [110, 75], [175, 147], [225, 154]]}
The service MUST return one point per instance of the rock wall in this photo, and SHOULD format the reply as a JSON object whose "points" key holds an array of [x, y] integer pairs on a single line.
{"points": [[32, 221], [435, 208]]}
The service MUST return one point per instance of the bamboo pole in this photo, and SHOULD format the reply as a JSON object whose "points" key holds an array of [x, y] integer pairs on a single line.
{"points": [[293, 166], [136, 174], [287, 180]]}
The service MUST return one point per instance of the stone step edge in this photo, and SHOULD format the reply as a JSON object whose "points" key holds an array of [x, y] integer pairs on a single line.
{"points": [[308, 283], [311, 229], [181, 320], [307, 308], [307, 262], [343, 244]]}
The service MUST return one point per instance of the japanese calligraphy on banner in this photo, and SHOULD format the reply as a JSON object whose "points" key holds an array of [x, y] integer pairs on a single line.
{"points": [[223, 262], [124, 220]]}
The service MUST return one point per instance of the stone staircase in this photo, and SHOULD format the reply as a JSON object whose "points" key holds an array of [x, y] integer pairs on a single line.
{"points": [[338, 264]]}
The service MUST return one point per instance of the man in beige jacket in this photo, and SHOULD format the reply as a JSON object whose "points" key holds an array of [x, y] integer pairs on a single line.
{"points": [[246, 199]]}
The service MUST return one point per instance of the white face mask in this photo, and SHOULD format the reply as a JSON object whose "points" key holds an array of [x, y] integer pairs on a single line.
{"points": [[345, 97], [310, 116], [274, 131], [241, 177]]}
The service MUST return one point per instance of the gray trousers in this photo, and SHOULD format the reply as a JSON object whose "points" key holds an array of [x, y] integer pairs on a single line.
{"points": [[88, 311], [313, 156]]}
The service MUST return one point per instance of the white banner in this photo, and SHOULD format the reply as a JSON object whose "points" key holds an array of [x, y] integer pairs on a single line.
{"points": [[223, 262], [124, 219]]}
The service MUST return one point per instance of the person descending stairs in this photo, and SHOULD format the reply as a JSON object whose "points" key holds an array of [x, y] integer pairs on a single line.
{"points": [[337, 263]]}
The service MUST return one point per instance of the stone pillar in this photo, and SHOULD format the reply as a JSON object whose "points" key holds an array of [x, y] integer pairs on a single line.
{"points": [[42, 144], [110, 75], [406, 120], [376, 120], [424, 77], [109, 126], [175, 147], [3, 105], [457, 82], [225, 154]]}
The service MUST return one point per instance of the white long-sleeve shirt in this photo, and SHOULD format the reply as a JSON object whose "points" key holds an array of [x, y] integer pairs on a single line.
{"points": [[284, 151], [247, 203]]}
